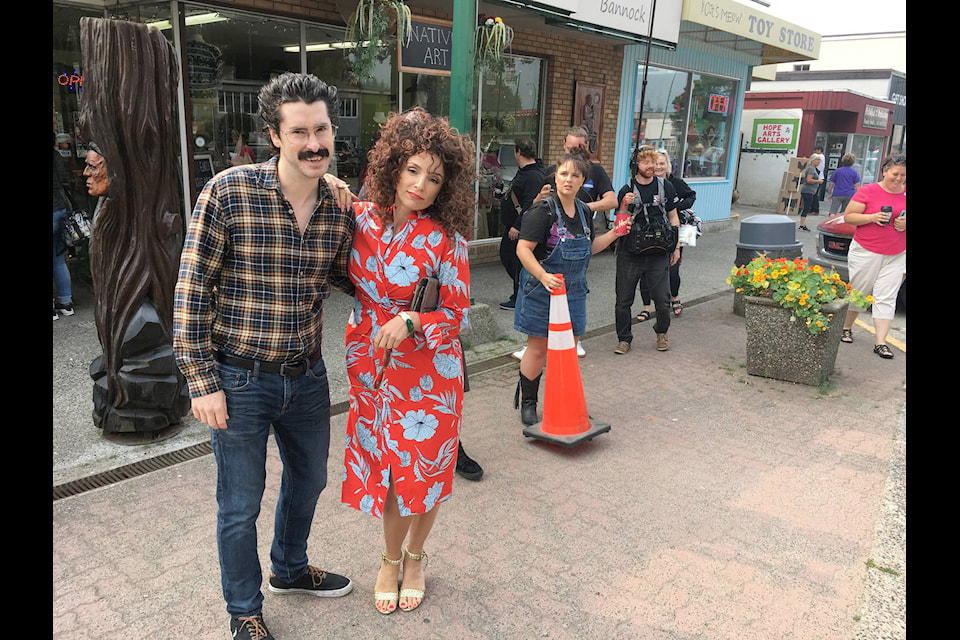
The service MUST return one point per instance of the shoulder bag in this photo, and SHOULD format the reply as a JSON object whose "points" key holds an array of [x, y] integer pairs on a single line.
{"points": [[76, 227]]}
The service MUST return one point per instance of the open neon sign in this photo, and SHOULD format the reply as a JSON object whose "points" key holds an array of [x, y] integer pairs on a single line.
{"points": [[73, 81], [717, 103]]}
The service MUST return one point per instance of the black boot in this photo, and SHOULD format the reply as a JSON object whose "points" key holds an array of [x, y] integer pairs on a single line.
{"points": [[528, 406], [467, 466]]}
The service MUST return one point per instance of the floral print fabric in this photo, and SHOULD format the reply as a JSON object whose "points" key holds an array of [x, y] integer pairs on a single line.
{"points": [[408, 428]]}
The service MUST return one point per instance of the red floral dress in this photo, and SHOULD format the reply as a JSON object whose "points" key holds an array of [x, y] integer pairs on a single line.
{"points": [[408, 428]]}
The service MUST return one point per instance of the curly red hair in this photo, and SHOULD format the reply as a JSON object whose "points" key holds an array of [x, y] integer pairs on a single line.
{"points": [[408, 134]]}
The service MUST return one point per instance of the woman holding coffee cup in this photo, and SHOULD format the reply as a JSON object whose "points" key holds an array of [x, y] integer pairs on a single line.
{"points": [[555, 244], [878, 253]]}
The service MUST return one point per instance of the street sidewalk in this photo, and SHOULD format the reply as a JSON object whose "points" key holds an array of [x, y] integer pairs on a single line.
{"points": [[719, 506]]}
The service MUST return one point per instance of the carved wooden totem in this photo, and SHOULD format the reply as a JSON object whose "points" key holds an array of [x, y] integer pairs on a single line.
{"points": [[129, 112]]}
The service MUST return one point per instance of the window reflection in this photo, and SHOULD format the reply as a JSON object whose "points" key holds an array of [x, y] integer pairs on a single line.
{"points": [[690, 115]]}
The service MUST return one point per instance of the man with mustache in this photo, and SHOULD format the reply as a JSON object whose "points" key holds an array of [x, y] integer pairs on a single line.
{"points": [[265, 243]]}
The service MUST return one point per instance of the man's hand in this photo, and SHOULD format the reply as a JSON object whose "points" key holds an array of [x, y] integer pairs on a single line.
{"points": [[543, 193], [341, 191], [211, 409], [513, 233]]}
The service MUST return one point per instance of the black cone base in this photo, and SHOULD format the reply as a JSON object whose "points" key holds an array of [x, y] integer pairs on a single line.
{"points": [[596, 428]]}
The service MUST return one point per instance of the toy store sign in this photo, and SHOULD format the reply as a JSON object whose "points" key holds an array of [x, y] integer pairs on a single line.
{"points": [[775, 134], [742, 20]]}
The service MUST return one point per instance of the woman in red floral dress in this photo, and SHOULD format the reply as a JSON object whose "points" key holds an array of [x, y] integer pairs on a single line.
{"points": [[405, 408]]}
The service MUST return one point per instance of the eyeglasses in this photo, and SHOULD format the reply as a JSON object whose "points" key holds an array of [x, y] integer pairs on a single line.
{"points": [[301, 135]]}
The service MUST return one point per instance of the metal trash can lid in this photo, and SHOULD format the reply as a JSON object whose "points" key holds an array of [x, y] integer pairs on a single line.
{"points": [[768, 231]]}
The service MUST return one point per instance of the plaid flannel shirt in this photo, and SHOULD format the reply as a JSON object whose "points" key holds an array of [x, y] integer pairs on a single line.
{"points": [[250, 285]]}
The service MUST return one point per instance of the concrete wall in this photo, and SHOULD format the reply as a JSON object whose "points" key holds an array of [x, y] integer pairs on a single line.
{"points": [[761, 173]]}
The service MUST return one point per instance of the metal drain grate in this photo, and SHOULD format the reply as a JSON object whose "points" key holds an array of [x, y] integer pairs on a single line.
{"points": [[153, 464], [131, 471]]}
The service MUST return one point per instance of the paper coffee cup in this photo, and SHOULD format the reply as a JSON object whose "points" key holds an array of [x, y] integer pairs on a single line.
{"points": [[620, 224]]}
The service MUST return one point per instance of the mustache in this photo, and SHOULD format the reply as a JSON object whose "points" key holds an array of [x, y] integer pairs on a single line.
{"points": [[322, 152]]}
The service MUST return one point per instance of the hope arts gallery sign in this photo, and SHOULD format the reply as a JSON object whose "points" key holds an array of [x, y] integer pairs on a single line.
{"points": [[775, 133]]}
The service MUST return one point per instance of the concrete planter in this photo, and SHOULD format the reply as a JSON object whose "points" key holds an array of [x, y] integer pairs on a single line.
{"points": [[784, 350]]}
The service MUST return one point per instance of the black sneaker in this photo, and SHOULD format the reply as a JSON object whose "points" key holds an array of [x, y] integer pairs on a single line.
{"points": [[467, 467], [509, 304], [64, 309], [315, 582], [249, 628]]}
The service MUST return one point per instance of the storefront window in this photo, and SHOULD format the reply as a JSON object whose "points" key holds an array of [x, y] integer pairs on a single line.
{"points": [[869, 153], [362, 107], [690, 115], [508, 101], [67, 79]]}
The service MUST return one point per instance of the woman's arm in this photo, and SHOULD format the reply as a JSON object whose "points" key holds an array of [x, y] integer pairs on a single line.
{"points": [[854, 214], [686, 195]]}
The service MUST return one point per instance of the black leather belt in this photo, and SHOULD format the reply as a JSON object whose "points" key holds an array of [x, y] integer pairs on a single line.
{"points": [[290, 369]]}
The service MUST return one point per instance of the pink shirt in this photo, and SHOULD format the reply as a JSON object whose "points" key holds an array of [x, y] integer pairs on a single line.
{"points": [[884, 240]]}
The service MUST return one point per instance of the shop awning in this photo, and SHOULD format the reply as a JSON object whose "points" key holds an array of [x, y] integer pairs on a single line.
{"points": [[740, 27]]}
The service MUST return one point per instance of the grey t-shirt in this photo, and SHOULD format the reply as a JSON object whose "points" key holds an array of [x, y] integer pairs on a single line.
{"points": [[806, 187]]}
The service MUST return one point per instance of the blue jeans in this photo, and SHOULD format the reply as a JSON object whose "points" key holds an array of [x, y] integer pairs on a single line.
{"points": [[61, 272], [654, 271], [299, 410]]}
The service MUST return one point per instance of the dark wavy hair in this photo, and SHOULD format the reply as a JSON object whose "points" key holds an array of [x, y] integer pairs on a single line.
{"points": [[295, 87], [408, 134], [526, 147], [581, 163]]}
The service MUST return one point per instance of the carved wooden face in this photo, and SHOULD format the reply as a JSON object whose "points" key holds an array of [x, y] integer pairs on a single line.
{"points": [[96, 174]]}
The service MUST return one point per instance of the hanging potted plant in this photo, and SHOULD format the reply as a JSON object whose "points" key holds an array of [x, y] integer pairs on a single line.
{"points": [[493, 37], [794, 317], [367, 32]]}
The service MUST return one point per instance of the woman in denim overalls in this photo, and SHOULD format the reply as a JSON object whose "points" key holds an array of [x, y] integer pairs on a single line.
{"points": [[567, 255]]}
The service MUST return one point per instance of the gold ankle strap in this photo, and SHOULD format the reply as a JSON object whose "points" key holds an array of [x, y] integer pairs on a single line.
{"points": [[384, 558], [416, 556]]}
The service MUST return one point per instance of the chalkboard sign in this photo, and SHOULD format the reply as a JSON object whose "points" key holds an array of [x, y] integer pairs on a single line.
{"points": [[202, 169], [429, 49]]}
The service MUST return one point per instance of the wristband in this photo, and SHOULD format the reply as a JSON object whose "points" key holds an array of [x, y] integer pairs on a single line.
{"points": [[406, 318]]}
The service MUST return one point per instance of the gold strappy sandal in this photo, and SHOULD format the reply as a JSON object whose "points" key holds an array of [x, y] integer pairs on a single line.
{"points": [[390, 597], [414, 593]]}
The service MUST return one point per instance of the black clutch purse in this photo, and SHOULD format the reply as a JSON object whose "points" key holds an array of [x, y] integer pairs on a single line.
{"points": [[426, 296]]}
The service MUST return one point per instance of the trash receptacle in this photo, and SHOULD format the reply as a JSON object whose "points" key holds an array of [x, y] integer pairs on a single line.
{"points": [[771, 234]]}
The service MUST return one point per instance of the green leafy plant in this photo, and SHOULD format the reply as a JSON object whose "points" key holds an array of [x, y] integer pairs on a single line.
{"points": [[797, 287], [493, 37], [367, 32]]}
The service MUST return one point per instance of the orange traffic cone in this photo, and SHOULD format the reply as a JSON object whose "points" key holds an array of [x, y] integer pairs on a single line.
{"points": [[565, 418]]}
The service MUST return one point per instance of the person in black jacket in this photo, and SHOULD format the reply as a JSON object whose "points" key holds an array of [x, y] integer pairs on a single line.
{"points": [[684, 201], [525, 186]]}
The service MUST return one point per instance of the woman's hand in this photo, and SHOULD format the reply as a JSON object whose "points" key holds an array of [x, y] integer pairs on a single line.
{"points": [[549, 281], [392, 333], [880, 217], [900, 224]]}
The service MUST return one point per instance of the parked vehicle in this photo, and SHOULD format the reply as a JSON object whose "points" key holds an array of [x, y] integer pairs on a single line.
{"points": [[348, 159], [833, 242]]}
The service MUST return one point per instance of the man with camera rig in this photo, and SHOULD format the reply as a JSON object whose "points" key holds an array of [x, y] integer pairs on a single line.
{"points": [[649, 249]]}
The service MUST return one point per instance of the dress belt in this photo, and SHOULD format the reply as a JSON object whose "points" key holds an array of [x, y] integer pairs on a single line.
{"points": [[291, 369]]}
